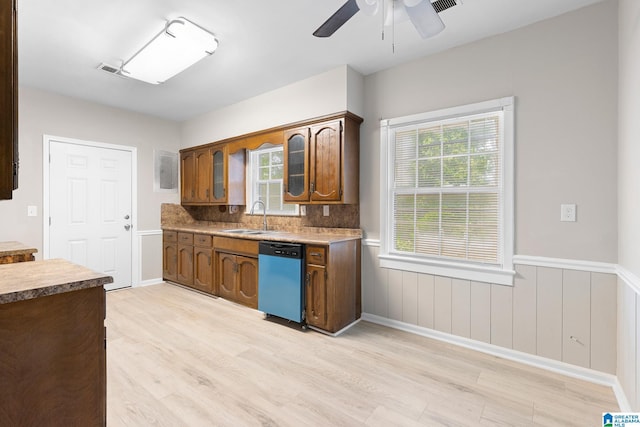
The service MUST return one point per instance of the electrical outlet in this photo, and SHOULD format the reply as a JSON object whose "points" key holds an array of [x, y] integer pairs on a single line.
{"points": [[325, 210], [303, 210], [568, 212]]}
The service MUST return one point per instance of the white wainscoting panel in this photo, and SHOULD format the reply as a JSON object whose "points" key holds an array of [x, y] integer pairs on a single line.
{"points": [[563, 310], [150, 257]]}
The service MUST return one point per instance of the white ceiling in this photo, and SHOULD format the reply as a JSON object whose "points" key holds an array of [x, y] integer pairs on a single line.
{"points": [[263, 45]]}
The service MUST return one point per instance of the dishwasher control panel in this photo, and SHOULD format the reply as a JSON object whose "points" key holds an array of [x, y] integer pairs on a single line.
{"points": [[279, 249]]}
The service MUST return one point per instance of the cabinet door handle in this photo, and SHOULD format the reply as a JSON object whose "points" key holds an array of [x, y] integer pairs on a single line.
{"points": [[313, 187], [308, 279], [316, 254]]}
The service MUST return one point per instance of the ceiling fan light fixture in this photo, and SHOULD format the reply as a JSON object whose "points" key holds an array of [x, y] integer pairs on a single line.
{"points": [[368, 7], [424, 17], [179, 45]]}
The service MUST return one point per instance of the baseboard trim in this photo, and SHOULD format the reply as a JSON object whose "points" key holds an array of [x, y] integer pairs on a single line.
{"points": [[510, 354], [335, 334], [149, 282]]}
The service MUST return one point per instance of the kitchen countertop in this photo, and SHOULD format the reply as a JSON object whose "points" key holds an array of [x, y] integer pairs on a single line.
{"points": [[308, 235], [29, 280], [15, 248]]}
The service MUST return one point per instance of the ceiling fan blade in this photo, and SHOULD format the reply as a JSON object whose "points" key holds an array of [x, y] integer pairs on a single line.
{"points": [[425, 18], [338, 19]]}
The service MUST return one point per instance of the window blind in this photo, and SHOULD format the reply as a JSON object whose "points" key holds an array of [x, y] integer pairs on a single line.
{"points": [[447, 190]]}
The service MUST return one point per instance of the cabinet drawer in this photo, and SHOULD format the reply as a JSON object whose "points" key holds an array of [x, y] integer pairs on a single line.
{"points": [[316, 255], [235, 245], [202, 240], [170, 236], [185, 238]]}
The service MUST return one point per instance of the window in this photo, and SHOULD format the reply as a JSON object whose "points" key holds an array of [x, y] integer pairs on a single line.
{"points": [[265, 173], [447, 192]]}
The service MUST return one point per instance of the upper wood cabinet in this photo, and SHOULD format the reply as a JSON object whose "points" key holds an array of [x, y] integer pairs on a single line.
{"points": [[296, 165], [8, 99], [212, 176], [195, 174], [321, 162]]}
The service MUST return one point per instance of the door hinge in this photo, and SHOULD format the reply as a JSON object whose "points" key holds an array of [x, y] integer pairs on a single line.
{"points": [[325, 275], [49, 221]]}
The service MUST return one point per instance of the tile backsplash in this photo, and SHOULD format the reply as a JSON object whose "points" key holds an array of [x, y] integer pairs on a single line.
{"points": [[340, 216]]}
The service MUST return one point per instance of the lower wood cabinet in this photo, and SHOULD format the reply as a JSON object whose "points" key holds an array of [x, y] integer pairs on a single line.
{"points": [[228, 267], [187, 259], [185, 265], [236, 270], [332, 285], [170, 255]]}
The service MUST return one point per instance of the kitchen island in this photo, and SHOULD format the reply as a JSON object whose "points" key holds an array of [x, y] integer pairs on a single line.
{"points": [[52, 344]]}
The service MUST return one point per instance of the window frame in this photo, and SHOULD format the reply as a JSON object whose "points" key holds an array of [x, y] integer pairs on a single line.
{"points": [[252, 182], [460, 269]]}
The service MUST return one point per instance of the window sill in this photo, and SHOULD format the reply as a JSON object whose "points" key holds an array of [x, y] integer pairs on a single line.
{"points": [[476, 273]]}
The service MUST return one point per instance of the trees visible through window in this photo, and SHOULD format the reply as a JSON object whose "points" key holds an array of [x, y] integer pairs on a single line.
{"points": [[265, 181], [445, 191]]}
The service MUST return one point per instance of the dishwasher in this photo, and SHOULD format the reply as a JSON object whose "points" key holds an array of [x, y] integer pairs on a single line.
{"points": [[280, 280]]}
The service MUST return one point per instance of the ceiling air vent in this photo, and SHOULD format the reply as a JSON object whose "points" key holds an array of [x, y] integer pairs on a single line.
{"points": [[109, 68]]}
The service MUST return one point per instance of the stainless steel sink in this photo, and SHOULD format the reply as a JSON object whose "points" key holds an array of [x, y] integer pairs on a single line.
{"points": [[250, 231], [244, 231]]}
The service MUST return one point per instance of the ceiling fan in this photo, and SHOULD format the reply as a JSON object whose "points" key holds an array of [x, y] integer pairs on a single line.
{"points": [[422, 13]]}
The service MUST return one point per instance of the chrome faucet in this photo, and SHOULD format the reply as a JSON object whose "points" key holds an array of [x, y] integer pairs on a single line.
{"points": [[264, 211]]}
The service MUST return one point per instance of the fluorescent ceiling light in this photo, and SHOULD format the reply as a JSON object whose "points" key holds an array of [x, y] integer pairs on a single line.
{"points": [[177, 47]]}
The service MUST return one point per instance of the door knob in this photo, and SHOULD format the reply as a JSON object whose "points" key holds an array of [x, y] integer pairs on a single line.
{"points": [[127, 227], [126, 217]]}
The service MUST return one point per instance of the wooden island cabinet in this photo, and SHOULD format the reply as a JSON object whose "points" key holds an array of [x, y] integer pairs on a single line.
{"points": [[53, 352]]}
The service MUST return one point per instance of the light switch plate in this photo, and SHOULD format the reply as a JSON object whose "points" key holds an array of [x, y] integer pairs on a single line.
{"points": [[568, 212], [325, 210], [32, 211], [303, 210]]}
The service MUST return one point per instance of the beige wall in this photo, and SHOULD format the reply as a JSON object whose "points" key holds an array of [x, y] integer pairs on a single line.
{"points": [[47, 113], [326, 93], [629, 201], [563, 74]]}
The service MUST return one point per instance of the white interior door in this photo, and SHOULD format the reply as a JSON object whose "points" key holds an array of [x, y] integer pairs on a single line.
{"points": [[90, 199]]}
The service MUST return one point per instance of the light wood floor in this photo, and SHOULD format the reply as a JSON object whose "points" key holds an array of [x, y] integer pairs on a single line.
{"points": [[179, 358]]}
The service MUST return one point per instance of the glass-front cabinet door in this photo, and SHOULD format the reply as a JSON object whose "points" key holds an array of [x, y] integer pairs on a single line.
{"points": [[219, 166], [296, 165]]}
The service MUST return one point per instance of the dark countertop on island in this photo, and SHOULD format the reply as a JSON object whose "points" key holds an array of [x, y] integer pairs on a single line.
{"points": [[29, 280]]}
